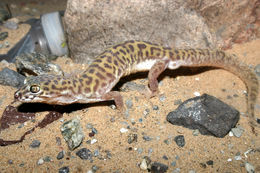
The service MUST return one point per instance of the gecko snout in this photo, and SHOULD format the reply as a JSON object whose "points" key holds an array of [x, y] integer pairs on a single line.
{"points": [[17, 95]]}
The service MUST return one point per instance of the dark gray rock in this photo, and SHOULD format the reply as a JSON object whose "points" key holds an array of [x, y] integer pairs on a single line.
{"points": [[60, 155], [36, 64], [3, 35], [11, 78], [257, 70], [35, 144], [180, 141], [64, 169], [206, 113], [84, 154], [158, 167]]}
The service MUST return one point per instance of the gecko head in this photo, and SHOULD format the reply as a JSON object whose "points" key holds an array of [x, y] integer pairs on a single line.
{"points": [[35, 89]]}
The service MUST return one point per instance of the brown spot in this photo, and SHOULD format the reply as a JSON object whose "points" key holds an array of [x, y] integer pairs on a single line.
{"points": [[46, 88], [107, 66], [178, 57], [98, 67], [119, 71], [87, 90], [122, 51], [158, 54], [55, 81], [132, 58], [53, 87], [75, 82], [116, 46], [141, 46], [100, 76], [131, 47], [109, 59], [96, 85], [69, 82], [171, 55], [46, 83], [109, 75], [176, 51], [154, 49], [91, 71], [146, 53], [79, 89], [64, 83], [84, 76], [88, 82], [115, 62], [98, 60], [103, 85]]}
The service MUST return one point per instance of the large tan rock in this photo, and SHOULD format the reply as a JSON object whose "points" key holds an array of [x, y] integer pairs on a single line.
{"points": [[94, 25]]}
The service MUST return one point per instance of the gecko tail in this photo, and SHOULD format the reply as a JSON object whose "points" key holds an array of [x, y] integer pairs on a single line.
{"points": [[229, 62]]}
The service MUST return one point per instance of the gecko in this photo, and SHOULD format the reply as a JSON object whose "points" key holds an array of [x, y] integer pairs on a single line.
{"points": [[95, 84]]}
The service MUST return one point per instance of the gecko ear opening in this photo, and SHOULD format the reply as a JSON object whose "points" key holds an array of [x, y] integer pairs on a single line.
{"points": [[35, 88]]}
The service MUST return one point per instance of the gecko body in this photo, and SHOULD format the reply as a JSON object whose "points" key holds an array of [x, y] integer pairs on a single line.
{"points": [[96, 83]]}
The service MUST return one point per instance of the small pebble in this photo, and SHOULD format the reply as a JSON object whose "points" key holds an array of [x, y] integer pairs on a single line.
{"points": [[140, 150], [238, 158], [64, 169], [177, 170], [173, 163], [147, 138], [210, 162], [159, 167], [40, 161], [60, 155], [146, 112], [238, 131], [84, 154], [35, 144], [150, 150], [196, 132], [196, 93], [258, 120], [257, 70], [162, 98], [249, 168], [229, 160], [3, 35], [132, 137], [94, 130], [123, 130], [165, 157], [89, 126], [180, 141], [129, 103], [47, 159], [155, 107], [96, 153], [10, 162], [93, 141]]}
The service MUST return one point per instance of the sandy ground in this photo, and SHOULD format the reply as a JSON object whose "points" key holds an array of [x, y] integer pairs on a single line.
{"points": [[126, 157]]}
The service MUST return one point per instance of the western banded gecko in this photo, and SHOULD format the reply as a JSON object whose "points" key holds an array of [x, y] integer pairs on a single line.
{"points": [[96, 83]]}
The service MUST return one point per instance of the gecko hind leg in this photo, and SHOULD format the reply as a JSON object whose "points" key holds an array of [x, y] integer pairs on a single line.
{"points": [[154, 73]]}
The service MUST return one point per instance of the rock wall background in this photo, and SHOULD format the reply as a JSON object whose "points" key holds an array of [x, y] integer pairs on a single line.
{"points": [[95, 25]]}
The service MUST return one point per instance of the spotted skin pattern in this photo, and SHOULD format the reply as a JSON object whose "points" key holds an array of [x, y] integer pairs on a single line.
{"points": [[96, 83]]}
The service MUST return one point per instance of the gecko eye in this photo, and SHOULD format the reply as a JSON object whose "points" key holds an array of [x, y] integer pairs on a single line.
{"points": [[34, 88]]}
